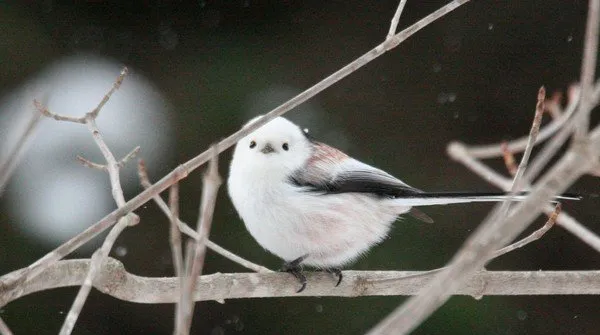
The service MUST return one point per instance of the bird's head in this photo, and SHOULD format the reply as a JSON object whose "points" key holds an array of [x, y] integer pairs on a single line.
{"points": [[276, 149]]}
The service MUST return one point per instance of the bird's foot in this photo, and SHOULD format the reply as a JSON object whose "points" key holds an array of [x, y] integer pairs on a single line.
{"points": [[294, 268], [336, 272]]}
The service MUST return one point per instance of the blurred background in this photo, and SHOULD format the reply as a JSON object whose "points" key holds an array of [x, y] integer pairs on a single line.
{"points": [[199, 70]]}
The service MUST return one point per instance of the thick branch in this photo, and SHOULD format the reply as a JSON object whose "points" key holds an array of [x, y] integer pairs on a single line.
{"points": [[115, 281]]}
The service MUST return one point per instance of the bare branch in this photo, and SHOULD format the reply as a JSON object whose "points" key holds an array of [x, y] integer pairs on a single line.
{"points": [[184, 228], [129, 156], [494, 232], [536, 235], [112, 165], [182, 170], [94, 113], [509, 159], [4, 330], [47, 113], [396, 19], [95, 266], [115, 281], [174, 234], [495, 150], [457, 152], [588, 68], [533, 134], [12, 159], [89, 164], [211, 182]]}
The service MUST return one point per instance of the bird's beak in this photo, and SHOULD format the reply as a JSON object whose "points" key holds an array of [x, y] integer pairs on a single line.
{"points": [[267, 149]]}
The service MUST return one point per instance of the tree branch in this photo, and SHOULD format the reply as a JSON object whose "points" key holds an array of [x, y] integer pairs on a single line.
{"points": [[8, 165], [185, 307], [4, 330], [115, 281]]}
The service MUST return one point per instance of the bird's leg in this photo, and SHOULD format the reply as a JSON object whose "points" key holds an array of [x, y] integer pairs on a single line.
{"points": [[294, 268], [336, 272]]}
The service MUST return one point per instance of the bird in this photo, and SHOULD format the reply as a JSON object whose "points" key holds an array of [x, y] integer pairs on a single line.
{"points": [[311, 204]]}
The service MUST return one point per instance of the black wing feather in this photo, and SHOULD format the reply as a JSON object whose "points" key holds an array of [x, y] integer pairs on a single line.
{"points": [[359, 182]]}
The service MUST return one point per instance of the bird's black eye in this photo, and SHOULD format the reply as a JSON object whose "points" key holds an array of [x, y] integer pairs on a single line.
{"points": [[285, 146], [252, 144]]}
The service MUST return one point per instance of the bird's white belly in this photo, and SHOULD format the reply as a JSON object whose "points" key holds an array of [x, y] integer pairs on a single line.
{"points": [[332, 229]]}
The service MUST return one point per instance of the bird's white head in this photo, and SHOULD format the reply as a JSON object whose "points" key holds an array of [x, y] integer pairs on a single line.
{"points": [[275, 150]]}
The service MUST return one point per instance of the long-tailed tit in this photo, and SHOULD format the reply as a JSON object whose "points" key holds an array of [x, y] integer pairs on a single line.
{"points": [[311, 204]]}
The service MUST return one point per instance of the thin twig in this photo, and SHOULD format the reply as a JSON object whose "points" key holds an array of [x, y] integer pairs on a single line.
{"points": [[396, 19], [174, 234], [509, 159], [518, 145], [536, 235], [129, 156], [533, 134], [457, 152], [182, 170], [47, 113], [185, 228], [89, 164], [116, 85], [211, 182], [4, 330], [588, 67], [8, 165], [96, 264], [112, 165]]}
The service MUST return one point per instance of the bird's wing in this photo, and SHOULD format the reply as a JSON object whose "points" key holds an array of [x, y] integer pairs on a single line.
{"points": [[332, 171]]}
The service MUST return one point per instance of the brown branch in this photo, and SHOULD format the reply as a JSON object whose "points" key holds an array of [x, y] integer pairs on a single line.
{"points": [[509, 159], [194, 163], [536, 235], [184, 227], [533, 134], [174, 234]]}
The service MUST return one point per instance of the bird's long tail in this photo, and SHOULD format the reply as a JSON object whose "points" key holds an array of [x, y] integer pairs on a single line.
{"points": [[445, 198]]}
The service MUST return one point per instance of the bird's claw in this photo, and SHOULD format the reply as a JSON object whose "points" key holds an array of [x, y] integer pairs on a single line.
{"points": [[336, 272], [294, 268]]}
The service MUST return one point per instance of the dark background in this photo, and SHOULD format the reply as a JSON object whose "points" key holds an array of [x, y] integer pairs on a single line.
{"points": [[472, 76]]}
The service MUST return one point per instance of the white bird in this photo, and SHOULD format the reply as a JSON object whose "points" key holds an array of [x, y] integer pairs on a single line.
{"points": [[311, 204]]}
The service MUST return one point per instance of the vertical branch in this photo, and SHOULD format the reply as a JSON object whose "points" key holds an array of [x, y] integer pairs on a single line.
{"points": [[12, 159], [112, 165], [174, 234], [211, 182], [533, 133], [95, 266], [588, 68], [396, 19]]}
